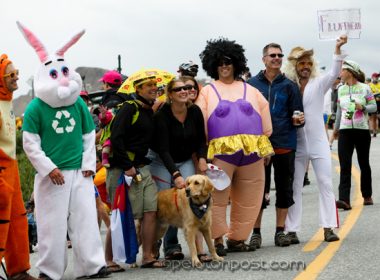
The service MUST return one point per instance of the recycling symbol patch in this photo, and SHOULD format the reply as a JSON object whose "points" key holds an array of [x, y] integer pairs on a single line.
{"points": [[63, 117]]}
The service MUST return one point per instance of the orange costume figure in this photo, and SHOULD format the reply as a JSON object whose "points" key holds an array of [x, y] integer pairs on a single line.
{"points": [[14, 243]]}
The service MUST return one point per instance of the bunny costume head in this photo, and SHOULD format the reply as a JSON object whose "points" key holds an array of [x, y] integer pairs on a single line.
{"points": [[55, 82]]}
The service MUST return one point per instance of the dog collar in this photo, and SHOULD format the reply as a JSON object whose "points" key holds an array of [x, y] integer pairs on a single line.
{"points": [[200, 209]]}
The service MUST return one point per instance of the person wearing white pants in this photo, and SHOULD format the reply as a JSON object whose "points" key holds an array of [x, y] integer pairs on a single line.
{"points": [[67, 208], [59, 140], [312, 143], [65, 202]]}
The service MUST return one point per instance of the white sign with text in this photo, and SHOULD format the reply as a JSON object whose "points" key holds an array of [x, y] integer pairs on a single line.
{"points": [[334, 23]]}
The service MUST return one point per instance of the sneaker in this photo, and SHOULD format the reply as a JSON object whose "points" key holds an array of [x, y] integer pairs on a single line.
{"points": [[236, 246], [22, 276], [220, 250], [281, 240], [330, 236], [368, 201], [293, 238], [254, 242], [341, 204]]}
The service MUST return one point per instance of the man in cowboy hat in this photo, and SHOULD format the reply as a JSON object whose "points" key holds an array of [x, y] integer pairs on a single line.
{"points": [[312, 143]]}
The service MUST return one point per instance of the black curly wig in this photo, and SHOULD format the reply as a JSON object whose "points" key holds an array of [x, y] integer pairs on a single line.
{"points": [[216, 50]]}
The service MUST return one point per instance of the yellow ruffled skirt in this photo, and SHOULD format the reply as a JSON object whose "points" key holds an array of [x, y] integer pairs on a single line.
{"points": [[249, 144]]}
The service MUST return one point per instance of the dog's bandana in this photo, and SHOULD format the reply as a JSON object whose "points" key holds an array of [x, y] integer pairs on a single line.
{"points": [[199, 209]]}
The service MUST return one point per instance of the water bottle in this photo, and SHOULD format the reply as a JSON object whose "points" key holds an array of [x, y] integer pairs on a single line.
{"points": [[350, 110]]}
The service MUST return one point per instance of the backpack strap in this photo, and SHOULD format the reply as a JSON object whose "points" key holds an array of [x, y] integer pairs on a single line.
{"points": [[106, 133]]}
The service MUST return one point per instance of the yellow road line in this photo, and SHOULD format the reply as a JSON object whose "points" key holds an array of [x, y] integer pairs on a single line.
{"points": [[321, 261], [314, 242]]}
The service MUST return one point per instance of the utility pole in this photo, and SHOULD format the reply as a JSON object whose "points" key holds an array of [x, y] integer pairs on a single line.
{"points": [[83, 83], [119, 63]]}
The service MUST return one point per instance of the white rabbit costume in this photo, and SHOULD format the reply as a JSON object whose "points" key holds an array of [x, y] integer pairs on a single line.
{"points": [[58, 132]]}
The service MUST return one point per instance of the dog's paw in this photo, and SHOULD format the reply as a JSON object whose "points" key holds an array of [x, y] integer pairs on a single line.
{"points": [[217, 258], [196, 262]]}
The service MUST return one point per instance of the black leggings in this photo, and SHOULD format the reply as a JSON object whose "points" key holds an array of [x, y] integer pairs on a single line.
{"points": [[350, 139]]}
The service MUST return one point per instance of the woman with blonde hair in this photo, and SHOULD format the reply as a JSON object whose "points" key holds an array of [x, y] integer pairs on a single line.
{"points": [[178, 133]]}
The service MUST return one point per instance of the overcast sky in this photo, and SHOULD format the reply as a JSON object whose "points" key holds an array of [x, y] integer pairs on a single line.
{"points": [[165, 33]]}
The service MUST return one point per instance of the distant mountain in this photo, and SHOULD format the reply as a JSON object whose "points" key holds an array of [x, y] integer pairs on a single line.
{"points": [[90, 77], [20, 103]]}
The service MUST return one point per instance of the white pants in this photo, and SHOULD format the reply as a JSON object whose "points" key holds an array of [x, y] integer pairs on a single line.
{"points": [[62, 209], [320, 158]]}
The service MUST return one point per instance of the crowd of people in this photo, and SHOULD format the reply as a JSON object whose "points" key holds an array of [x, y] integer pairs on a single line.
{"points": [[241, 123]]}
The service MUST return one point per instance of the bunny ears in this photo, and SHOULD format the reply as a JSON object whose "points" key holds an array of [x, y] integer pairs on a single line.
{"points": [[39, 47]]}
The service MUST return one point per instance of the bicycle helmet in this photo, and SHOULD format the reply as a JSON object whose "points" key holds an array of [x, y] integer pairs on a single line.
{"points": [[188, 69]]}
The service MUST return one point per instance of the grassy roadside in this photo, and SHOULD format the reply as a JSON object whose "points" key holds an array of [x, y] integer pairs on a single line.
{"points": [[26, 169]]}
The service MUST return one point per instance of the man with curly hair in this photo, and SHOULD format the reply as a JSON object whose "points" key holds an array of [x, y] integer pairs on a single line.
{"points": [[312, 143], [238, 124]]}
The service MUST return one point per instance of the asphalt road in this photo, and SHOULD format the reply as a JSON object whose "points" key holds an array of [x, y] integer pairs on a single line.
{"points": [[355, 256]]}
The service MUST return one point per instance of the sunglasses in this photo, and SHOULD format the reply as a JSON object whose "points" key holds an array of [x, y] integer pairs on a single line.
{"points": [[191, 87], [305, 63], [11, 74], [225, 61], [185, 88], [273, 55]]}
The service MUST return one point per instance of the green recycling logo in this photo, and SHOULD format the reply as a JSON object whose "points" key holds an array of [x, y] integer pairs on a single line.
{"points": [[58, 119]]}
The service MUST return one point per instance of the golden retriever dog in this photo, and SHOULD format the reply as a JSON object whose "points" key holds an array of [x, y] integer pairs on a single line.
{"points": [[189, 209]]}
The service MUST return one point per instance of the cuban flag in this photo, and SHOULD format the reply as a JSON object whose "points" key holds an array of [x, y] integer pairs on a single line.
{"points": [[123, 232]]}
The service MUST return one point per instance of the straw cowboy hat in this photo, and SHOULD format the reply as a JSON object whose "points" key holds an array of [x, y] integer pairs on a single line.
{"points": [[299, 52]]}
